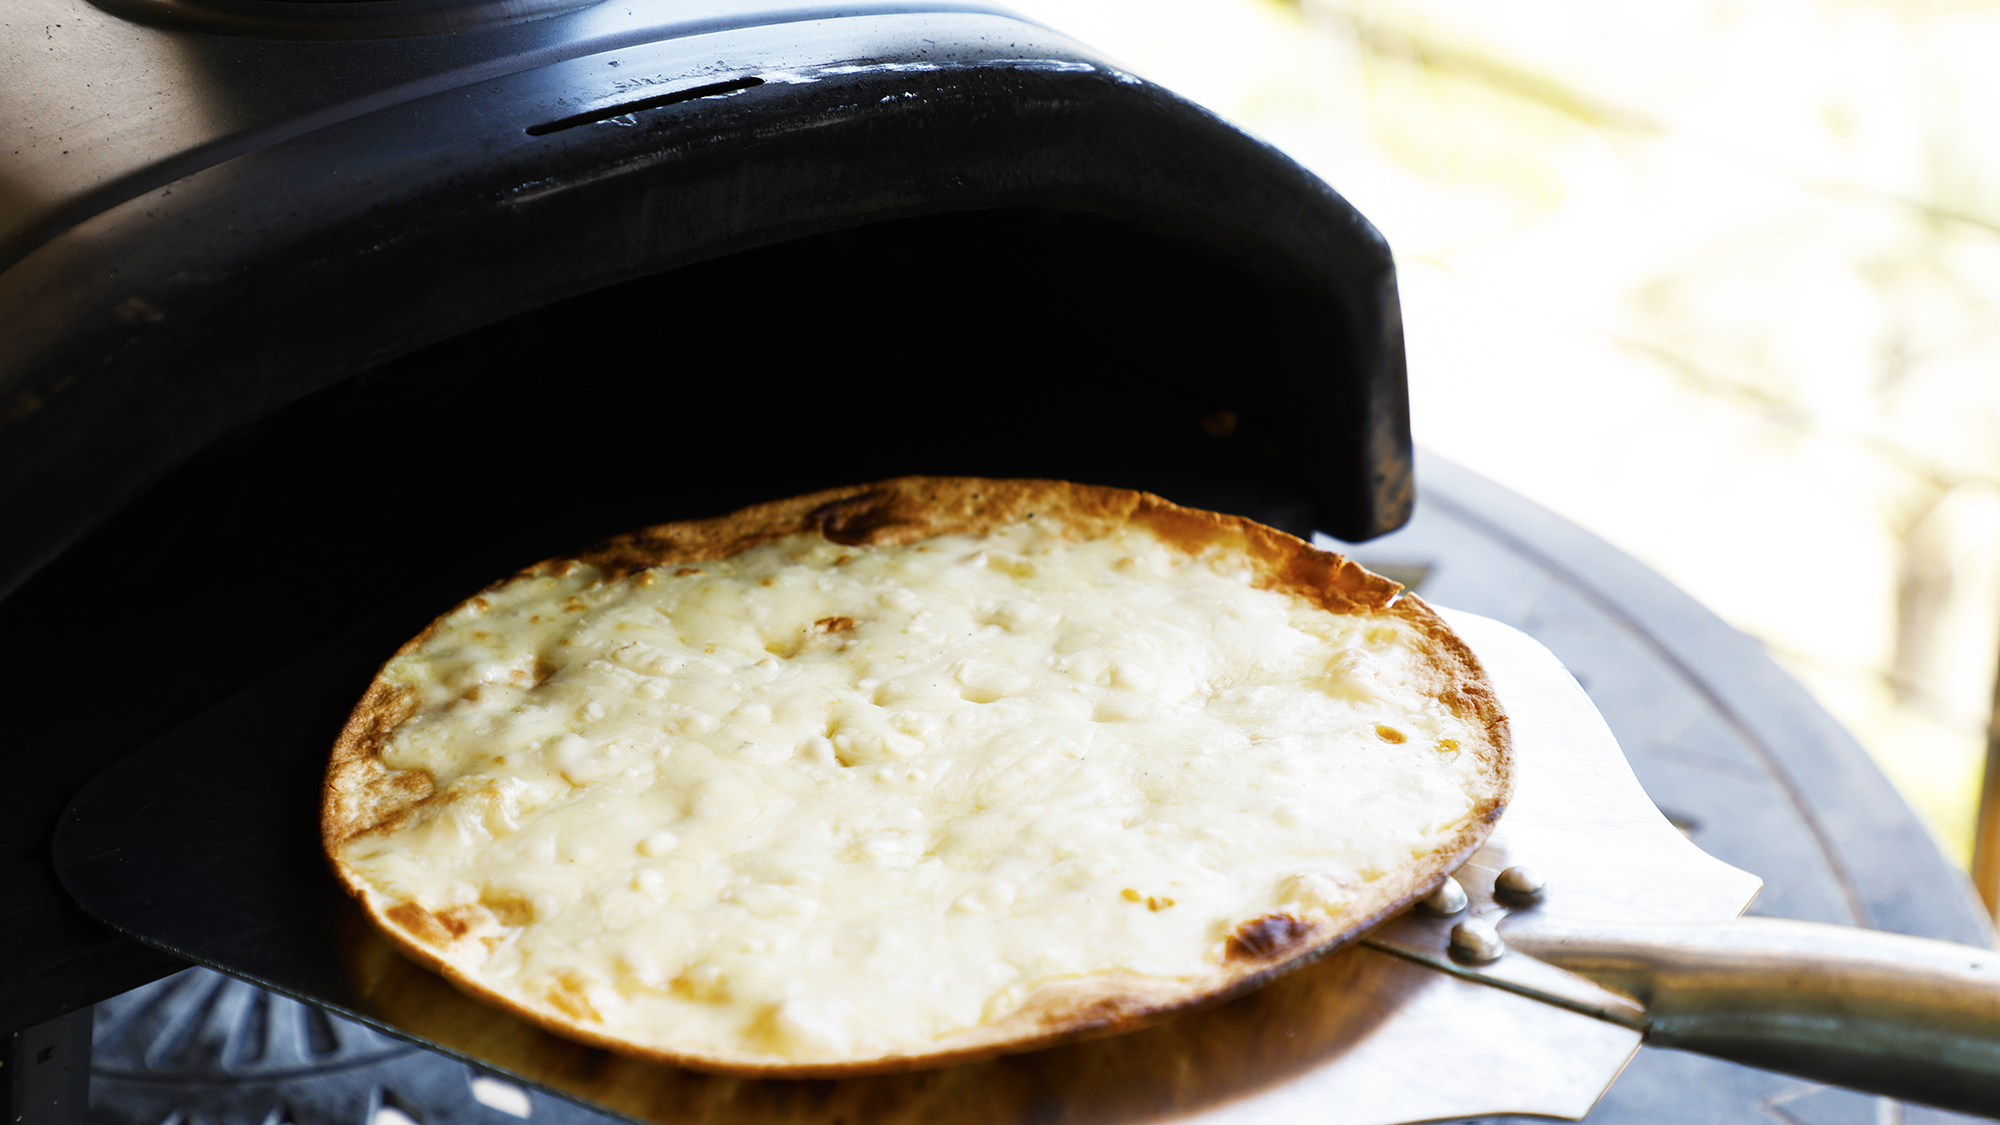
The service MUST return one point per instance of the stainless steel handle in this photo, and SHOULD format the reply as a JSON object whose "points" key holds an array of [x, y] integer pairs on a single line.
{"points": [[1908, 1017]]}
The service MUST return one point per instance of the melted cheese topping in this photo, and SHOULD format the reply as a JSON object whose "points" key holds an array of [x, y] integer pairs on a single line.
{"points": [[824, 802]]}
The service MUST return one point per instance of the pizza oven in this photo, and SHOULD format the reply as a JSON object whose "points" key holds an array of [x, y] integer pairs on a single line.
{"points": [[318, 314]]}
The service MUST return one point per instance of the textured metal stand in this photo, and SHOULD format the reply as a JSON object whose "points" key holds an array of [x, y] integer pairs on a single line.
{"points": [[200, 1047]]}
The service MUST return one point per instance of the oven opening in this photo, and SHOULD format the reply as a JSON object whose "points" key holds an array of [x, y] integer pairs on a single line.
{"points": [[1003, 343]]}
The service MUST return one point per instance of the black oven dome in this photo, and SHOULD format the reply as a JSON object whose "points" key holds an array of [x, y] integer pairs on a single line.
{"points": [[892, 203], [334, 19]]}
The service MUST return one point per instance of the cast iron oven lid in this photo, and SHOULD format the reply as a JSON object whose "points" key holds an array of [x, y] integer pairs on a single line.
{"points": [[277, 215]]}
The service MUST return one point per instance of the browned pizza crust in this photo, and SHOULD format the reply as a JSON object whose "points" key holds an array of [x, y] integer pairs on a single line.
{"points": [[361, 795]]}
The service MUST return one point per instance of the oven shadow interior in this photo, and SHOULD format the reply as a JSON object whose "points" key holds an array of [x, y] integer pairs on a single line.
{"points": [[1000, 343]]}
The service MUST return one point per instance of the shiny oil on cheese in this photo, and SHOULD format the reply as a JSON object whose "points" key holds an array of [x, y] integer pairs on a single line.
{"points": [[817, 801]]}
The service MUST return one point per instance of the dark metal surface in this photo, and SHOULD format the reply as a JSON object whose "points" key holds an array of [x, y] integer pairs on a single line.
{"points": [[229, 803], [45, 1071], [56, 958]]}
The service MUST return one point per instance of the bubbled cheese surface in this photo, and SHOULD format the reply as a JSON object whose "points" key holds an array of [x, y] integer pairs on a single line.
{"points": [[819, 802]]}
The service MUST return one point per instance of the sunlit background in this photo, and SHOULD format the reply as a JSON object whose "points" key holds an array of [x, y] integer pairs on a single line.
{"points": [[1719, 281]]}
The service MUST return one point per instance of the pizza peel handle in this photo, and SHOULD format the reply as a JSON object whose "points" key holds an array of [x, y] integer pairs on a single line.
{"points": [[1638, 927], [1909, 1017]]}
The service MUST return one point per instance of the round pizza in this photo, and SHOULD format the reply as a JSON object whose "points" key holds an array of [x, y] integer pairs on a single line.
{"points": [[909, 773]]}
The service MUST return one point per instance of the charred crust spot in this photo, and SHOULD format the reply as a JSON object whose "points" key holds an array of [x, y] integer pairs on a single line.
{"points": [[421, 924], [543, 670], [833, 625], [509, 909], [1100, 1011], [570, 997], [410, 785], [458, 920], [1388, 733], [1270, 936], [687, 571], [854, 520]]}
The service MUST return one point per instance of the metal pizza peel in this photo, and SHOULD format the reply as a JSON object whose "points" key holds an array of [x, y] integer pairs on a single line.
{"points": [[1588, 900], [1621, 932], [1392, 1029]]}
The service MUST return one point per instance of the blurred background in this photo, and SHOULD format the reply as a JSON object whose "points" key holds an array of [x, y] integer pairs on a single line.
{"points": [[1719, 281]]}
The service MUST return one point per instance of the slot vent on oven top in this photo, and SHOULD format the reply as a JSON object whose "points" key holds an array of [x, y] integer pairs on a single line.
{"points": [[606, 113]]}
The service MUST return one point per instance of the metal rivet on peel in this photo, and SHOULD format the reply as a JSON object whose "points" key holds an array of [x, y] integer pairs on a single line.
{"points": [[1475, 940], [1519, 884], [1447, 900]]}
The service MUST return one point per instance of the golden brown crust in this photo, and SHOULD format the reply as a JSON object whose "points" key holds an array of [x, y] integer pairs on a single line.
{"points": [[362, 795], [360, 792]]}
